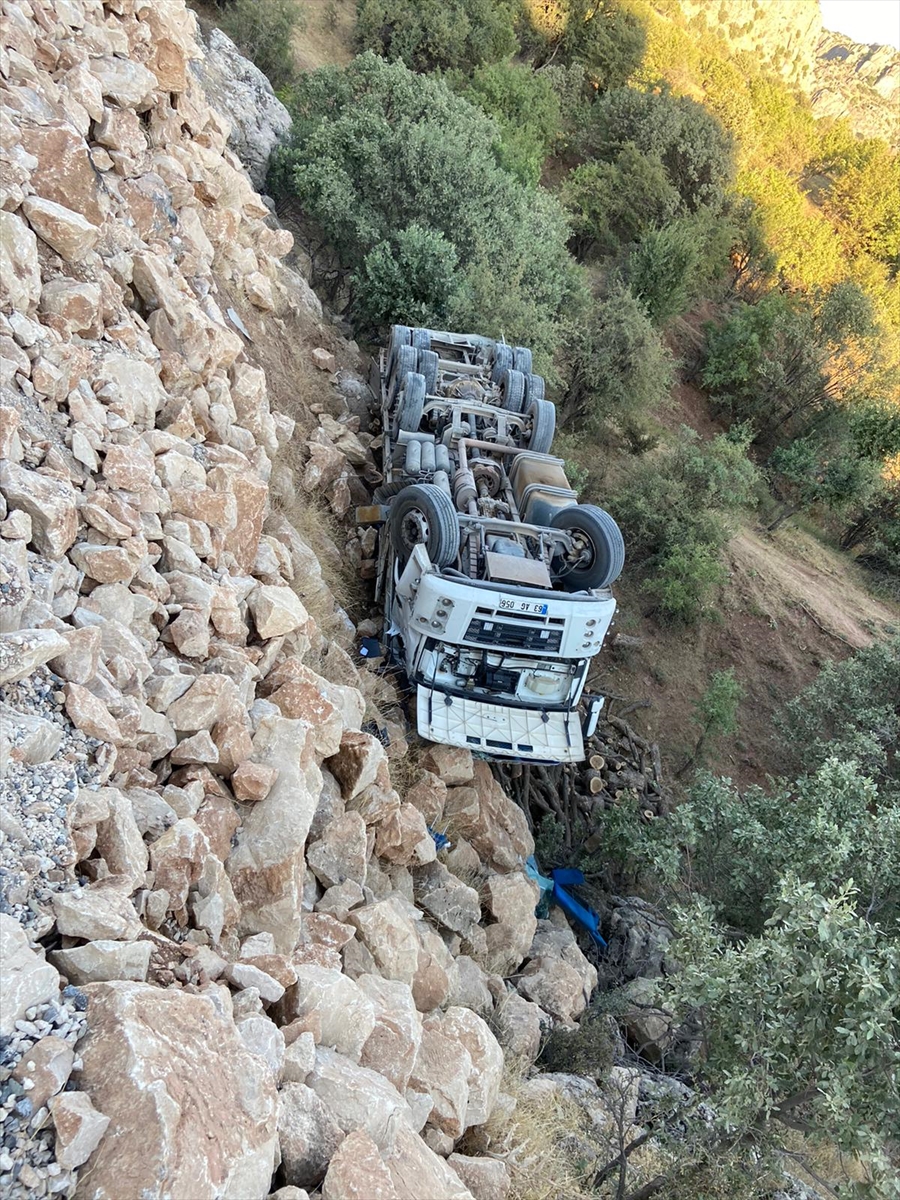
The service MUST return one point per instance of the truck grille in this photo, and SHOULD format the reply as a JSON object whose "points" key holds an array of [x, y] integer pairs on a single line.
{"points": [[513, 635]]}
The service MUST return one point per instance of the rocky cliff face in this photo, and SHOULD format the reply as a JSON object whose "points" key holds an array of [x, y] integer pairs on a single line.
{"points": [[232, 957], [841, 77]]}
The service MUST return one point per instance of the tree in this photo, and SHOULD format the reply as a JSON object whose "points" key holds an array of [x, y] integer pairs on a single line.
{"points": [[619, 368], [811, 473], [616, 203], [429, 35], [715, 714], [799, 1023], [662, 268], [525, 107], [410, 279], [694, 149], [263, 30], [375, 149]]}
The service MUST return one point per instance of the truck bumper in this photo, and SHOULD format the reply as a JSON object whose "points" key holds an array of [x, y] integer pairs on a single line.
{"points": [[496, 731]]}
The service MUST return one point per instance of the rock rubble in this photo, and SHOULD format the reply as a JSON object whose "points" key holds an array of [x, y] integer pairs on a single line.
{"points": [[234, 962]]}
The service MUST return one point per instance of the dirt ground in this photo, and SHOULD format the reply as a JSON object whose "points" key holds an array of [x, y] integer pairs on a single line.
{"points": [[791, 604]]}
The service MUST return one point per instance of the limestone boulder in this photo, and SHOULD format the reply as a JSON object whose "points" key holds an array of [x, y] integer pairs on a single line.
{"points": [[389, 933], [192, 1112], [23, 651], [307, 1135], [494, 824], [511, 900], [358, 1098], [434, 972], [447, 899], [332, 1007], [104, 960], [403, 837], [356, 764], [453, 765], [486, 1178], [20, 269], [67, 232], [519, 1024], [50, 502], [442, 1070], [267, 866], [416, 1171], [79, 1128], [341, 853], [119, 840], [47, 1065], [276, 610], [358, 1172], [393, 1044], [472, 1034], [26, 978], [101, 910]]}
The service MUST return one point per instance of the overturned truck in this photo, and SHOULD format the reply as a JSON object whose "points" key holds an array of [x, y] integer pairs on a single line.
{"points": [[494, 581]]}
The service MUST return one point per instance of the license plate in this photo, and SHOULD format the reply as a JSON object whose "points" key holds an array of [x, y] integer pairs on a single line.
{"points": [[523, 606]]}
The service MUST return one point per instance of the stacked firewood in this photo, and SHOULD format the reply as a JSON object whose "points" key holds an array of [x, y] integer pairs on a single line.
{"points": [[621, 767]]}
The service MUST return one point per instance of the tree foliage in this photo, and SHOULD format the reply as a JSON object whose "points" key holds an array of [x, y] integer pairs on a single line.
{"points": [[618, 202], [603, 36], [376, 150], [694, 149], [436, 34], [263, 29]]}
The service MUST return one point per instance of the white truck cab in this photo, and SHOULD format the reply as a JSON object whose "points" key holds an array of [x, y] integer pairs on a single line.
{"points": [[495, 581]]}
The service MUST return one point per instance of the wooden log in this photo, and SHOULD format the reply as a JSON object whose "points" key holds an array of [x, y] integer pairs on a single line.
{"points": [[592, 782], [627, 778], [596, 761]]}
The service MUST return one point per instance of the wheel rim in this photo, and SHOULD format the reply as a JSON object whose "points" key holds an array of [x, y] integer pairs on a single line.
{"points": [[583, 552], [414, 529]]}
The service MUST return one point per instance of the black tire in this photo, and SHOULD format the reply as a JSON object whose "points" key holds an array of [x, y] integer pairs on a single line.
{"points": [[424, 514], [543, 426], [534, 387], [405, 361], [428, 366], [401, 335], [513, 389], [503, 360], [387, 491], [522, 359], [411, 403], [595, 529], [421, 339]]}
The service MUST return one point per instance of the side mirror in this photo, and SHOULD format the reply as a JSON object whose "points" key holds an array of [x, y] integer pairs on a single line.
{"points": [[594, 708]]}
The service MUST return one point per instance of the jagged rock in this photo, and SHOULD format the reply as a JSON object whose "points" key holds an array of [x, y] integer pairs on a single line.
{"points": [[332, 1007], [511, 899], [389, 933], [493, 823], [451, 902], [469, 987], [299, 1058], [104, 960], [648, 1026], [252, 781], [417, 1171], [88, 713], [356, 764], [48, 1065], [638, 938], [79, 1128], [276, 610], [469, 1031], [26, 979], [358, 1098], [177, 860], [357, 1171], [100, 910], [486, 1178], [266, 868], [49, 502], [429, 794], [432, 982], [22, 652], [442, 1069], [403, 837], [239, 90], [263, 1038], [67, 232], [119, 840], [20, 269], [340, 855], [453, 765], [307, 1135], [519, 1025], [393, 1044], [192, 1113]]}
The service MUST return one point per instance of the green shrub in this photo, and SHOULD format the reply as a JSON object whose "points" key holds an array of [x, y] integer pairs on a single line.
{"points": [[585, 1050], [683, 580], [692, 146], [619, 368], [436, 34], [616, 203], [375, 149], [662, 269], [262, 30], [527, 110]]}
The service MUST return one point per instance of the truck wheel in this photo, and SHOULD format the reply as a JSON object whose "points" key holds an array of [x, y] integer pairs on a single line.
{"points": [[600, 549], [503, 360], [411, 403], [513, 389], [421, 339], [427, 365], [404, 362], [387, 491], [423, 514], [534, 387], [401, 335], [522, 359], [543, 425]]}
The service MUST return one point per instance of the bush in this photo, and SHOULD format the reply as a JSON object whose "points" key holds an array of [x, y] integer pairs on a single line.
{"points": [[585, 1050], [375, 149], [262, 30], [692, 146], [616, 203], [619, 368], [675, 512], [527, 110], [429, 35], [662, 269]]}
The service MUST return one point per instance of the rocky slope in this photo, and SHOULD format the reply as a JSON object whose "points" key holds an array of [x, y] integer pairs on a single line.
{"points": [[233, 959]]}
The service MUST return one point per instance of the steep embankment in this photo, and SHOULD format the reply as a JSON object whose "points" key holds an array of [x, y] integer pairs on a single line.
{"points": [[229, 941]]}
